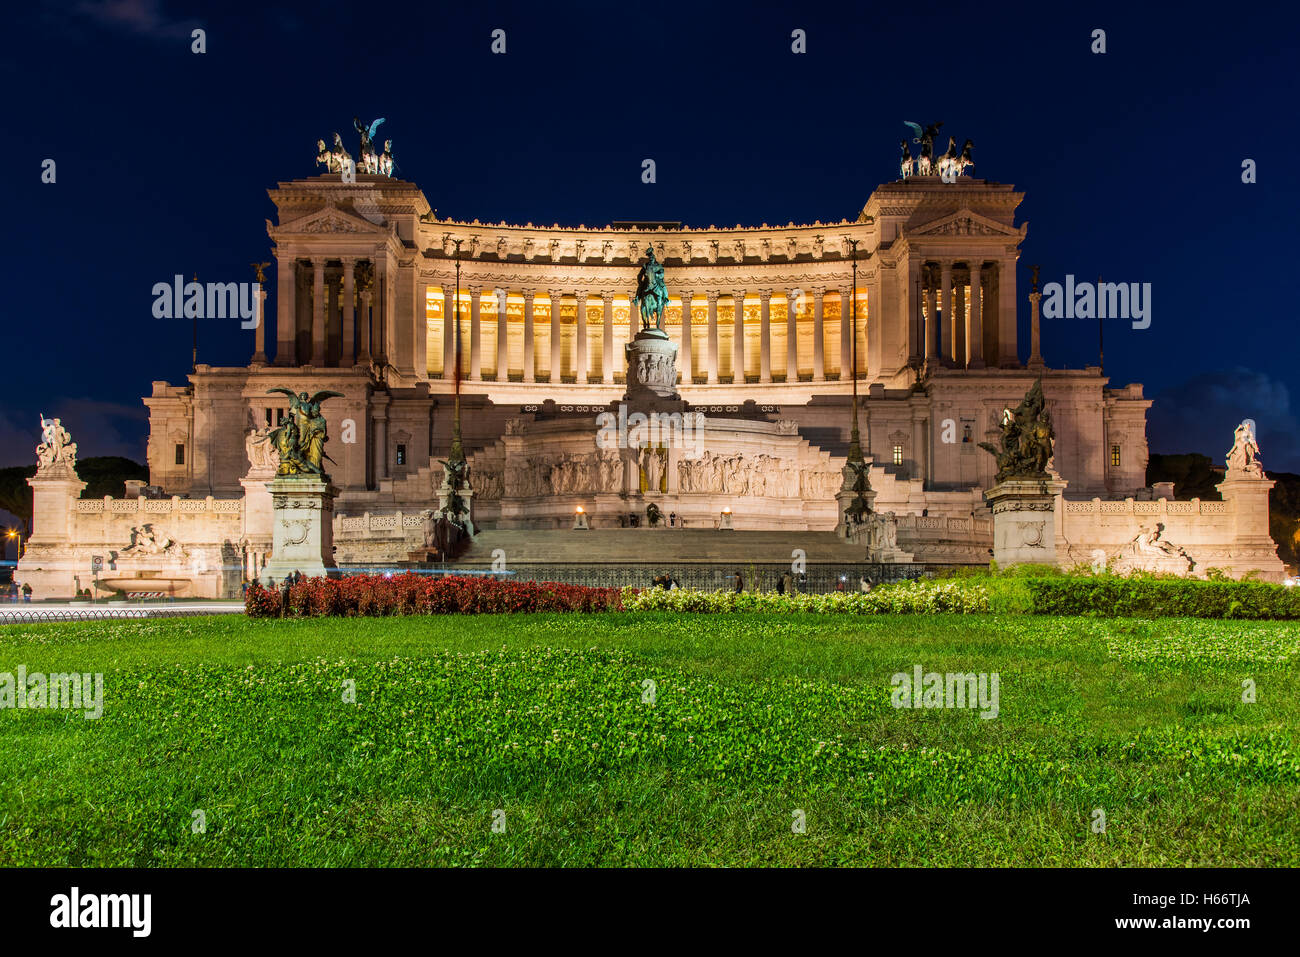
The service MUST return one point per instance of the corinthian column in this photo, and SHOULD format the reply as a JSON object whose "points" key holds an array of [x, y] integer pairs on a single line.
{"points": [[738, 340], [792, 336], [607, 338], [530, 373], [475, 335], [765, 335], [712, 342], [819, 335], [684, 355], [286, 279], [945, 286], [580, 365], [975, 324], [349, 310], [318, 311], [557, 354]]}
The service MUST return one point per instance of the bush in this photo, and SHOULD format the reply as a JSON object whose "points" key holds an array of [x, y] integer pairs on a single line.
{"points": [[918, 597], [1146, 595], [410, 594]]}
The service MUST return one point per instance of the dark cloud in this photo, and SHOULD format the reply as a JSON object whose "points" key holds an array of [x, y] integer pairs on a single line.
{"points": [[1200, 414], [141, 17]]}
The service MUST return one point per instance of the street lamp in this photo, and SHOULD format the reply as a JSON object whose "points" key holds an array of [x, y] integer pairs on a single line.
{"points": [[855, 445]]}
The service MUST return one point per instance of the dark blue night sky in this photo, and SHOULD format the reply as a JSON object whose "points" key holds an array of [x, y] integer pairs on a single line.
{"points": [[1131, 162]]}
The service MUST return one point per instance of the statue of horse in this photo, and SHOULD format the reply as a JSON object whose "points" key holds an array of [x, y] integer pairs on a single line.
{"points": [[323, 155], [651, 293], [386, 160], [908, 164], [965, 160], [948, 161], [341, 156]]}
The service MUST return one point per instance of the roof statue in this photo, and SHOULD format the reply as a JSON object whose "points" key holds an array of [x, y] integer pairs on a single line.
{"points": [[948, 167], [1027, 436]]}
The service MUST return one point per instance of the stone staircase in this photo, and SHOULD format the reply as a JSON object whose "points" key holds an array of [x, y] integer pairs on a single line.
{"points": [[656, 547]]}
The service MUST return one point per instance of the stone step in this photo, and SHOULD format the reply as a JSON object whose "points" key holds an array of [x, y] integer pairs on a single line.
{"points": [[656, 546]]}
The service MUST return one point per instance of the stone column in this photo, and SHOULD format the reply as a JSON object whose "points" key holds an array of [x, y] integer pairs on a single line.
{"points": [[580, 365], [364, 357], [259, 331], [945, 286], [765, 335], [448, 330], [959, 321], [738, 342], [557, 353], [792, 337], [318, 311], [530, 372], [975, 323], [503, 334], [819, 335], [1035, 355], [931, 317], [846, 334], [607, 338], [684, 354], [1007, 313], [712, 357], [349, 309], [475, 336], [286, 278]]}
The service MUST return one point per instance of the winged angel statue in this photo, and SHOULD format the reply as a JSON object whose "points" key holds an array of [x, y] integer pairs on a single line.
{"points": [[300, 440]]}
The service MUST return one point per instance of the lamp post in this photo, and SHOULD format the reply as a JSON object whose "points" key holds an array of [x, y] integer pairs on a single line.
{"points": [[855, 446], [457, 451], [194, 354]]}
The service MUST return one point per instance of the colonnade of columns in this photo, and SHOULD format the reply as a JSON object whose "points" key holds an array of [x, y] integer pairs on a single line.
{"points": [[710, 351], [963, 309], [330, 311]]}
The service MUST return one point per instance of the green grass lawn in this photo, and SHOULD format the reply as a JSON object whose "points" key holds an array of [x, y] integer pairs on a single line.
{"points": [[754, 717]]}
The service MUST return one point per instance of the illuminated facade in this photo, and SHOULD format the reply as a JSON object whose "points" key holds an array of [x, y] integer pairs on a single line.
{"points": [[365, 284]]}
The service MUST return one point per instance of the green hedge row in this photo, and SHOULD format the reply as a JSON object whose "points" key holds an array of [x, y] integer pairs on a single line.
{"points": [[1007, 593], [1114, 595]]}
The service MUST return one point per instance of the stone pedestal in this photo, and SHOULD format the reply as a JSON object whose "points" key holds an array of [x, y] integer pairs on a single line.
{"points": [[651, 366], [1024, 520], [47, 564], [302, 528], [466, 494]]}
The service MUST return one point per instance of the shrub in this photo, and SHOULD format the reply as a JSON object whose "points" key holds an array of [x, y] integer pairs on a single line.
{"points": [[1147, 595], [410, 594]]}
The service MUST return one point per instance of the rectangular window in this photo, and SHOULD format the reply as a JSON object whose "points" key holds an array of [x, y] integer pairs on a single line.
{"points": [[268, 418], [401, 454], [898, 455], [1114, 456], [180, 454]]}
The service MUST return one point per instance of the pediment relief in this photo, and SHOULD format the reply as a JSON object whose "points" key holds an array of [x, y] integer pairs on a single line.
{"points": [[331, 219], [965, 222]]}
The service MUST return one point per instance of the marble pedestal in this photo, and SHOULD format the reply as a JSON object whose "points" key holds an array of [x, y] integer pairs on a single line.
{"points": [[651, 366], [1024, 520], [302, 528]]}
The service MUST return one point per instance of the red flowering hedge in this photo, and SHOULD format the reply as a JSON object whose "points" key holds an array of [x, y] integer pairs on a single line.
{"points": [[410, 594]]}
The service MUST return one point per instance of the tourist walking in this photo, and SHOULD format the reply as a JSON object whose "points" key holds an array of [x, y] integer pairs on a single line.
{"points": [[738, 583]]}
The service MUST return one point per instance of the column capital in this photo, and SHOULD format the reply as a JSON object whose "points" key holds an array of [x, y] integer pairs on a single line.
{"points": [[738, 294], [608, 295], [580, 295], [528, 295], [475, 289], [318, 262], [712, 295], [554, 294], [348, 261], [765, 295], [819, 291]]}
